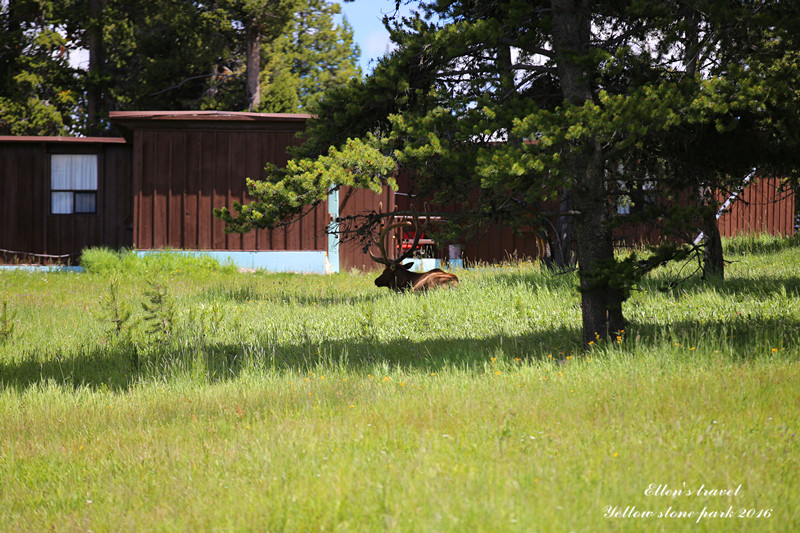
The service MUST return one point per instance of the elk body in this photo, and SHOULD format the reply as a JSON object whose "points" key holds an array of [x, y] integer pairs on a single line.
{"points": [[397, 275]]}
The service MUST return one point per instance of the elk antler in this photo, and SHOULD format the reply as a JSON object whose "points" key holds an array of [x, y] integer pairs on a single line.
{"points": [[418, 231], [380, 242]]}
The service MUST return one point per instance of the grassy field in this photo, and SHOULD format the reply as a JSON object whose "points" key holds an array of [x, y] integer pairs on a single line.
{"points": [[164, 394]]}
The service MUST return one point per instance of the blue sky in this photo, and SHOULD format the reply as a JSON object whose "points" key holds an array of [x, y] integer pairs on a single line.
{"points": [[368, 31]]}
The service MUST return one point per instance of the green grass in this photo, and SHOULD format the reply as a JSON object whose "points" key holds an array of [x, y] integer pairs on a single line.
{"points": [[303, 403]]}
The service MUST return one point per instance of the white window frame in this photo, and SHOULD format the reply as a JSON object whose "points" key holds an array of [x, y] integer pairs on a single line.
{"points": [[73, 184], [647, 189]]}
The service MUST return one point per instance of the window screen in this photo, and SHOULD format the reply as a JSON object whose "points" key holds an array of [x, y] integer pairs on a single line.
{"points": [[73, 184]]}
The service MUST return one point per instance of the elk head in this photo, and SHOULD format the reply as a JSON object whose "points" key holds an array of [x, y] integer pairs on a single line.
{"points": [[397, 275]]}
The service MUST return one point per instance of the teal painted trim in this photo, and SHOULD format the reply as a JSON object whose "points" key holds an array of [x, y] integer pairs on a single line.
{"points": [[45, 268], [304, 262], [333, 228]]}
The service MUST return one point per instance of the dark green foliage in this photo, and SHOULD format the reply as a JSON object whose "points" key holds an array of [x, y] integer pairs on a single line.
{"points": [[625, 274], [160, 54], [503, 108], [39, 92], [309, 57]]}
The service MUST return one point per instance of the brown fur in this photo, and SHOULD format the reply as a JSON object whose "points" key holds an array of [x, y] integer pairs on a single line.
{"points": [[399, 278], [397, 275]]}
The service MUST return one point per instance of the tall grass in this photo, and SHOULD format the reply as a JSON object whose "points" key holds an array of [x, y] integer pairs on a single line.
{"points": [[296, 403]]}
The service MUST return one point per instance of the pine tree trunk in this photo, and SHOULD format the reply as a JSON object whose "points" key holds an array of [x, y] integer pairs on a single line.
{"points": [[562, 246], [713, 259], [253, 66], [601, 306], [94, 93], [561, 255], [9, 55]]}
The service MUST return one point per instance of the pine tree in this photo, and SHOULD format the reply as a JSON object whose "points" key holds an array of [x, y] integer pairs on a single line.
{"points": [[498, 107], [163, 54], [39, 90], [297, 64], [311, 57]]}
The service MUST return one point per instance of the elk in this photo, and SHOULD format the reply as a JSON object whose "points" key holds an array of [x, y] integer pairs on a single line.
{"points": [[397, 275]]}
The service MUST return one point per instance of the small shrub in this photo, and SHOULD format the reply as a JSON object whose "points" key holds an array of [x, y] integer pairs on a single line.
{"points": [[175, 261], [6, 324], [114, 309], [101, 260], [159, 309], [107, 261]]}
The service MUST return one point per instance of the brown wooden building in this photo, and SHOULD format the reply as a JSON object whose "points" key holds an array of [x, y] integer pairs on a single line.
{"points": [[760, 207], [39, 213], [155, 188]]}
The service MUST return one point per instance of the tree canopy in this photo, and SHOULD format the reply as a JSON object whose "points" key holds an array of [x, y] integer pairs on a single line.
{"points": [[38, 91], [565, 101], [164, 54]]}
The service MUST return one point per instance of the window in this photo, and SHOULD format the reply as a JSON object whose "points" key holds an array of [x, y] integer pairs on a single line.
{"points": [[73, 184], [633, 197]]}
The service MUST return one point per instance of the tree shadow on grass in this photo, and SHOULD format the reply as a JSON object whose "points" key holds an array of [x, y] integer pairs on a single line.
{"points": [[741, 337], [757, 287], [120, 366]]}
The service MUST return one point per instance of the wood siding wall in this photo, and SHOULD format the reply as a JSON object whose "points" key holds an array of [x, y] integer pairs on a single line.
{"points": [[26, 224], [351, 255], [159, 190], [488, 244], [180, 175], [761, 208], [498, 243]]}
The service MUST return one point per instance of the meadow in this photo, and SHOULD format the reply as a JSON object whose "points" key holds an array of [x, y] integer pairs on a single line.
{"points": [[170, 394]]}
